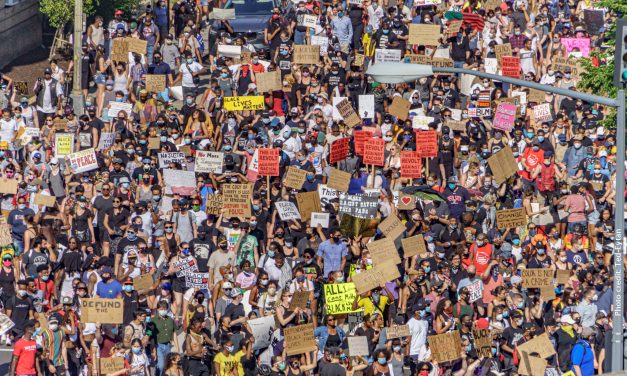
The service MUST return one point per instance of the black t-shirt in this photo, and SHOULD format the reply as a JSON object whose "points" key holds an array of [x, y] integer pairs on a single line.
{"points": [[333, 80], [235, 312], [131, 305], [331, 369], [117, 219], [382, 40], [125, 245], [20, 307], [460, 48], [512, 336], [103, 205], [202, 249]]}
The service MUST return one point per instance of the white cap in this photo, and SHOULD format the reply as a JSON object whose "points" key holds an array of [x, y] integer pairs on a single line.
{"points": [[54, 160], [227, 285], [567, 319]]}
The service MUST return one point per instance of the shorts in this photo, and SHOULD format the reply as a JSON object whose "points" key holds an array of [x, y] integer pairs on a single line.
{"points": [[178, 285], [593, 217], [204, 3], [100, 79]]}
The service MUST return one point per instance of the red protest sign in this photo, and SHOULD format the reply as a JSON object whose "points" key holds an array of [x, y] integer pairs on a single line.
{"points": [[374, 150], [411, 164], [510, 66], [360, 140], [339, 150], [427, 143], [268, 162]]}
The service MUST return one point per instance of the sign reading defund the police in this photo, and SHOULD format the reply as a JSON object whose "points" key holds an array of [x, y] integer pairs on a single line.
{"points": [[360, 206], [104, 311], [339, 298]]}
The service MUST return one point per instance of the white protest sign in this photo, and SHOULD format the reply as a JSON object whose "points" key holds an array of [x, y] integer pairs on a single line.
{"points": [[308, 20], [83, 161], [542, 112], [326, 195], [323, 42], [229, 51], [262, 329], [336, 112], [116, 107], [383, 55], [179, 181], [287, 210], [366, 106], [320, 218], [422, 122], [173, 157], [209, 161], [491, 65], [106, 140]]}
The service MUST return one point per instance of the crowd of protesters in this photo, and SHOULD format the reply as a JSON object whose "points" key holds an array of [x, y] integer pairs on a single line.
{"points": [[121, 220]]}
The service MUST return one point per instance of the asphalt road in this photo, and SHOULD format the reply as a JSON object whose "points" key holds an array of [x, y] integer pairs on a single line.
{"points": [[5, 359]]}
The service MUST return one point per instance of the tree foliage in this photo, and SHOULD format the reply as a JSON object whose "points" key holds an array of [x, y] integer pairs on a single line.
{"points": [[60, 12]]}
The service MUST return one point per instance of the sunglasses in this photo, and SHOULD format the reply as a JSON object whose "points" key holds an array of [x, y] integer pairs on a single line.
{"points": [[116, 201], [169, 227]]}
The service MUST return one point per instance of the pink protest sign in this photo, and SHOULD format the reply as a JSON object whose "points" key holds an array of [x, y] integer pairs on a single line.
{"points": [[583, 44], [505, 116]]}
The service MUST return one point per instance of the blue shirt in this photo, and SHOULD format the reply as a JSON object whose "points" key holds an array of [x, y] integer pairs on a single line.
{"points": [[582, 356], [16, 220], [332, 254], [109, 290], [343, 29]]}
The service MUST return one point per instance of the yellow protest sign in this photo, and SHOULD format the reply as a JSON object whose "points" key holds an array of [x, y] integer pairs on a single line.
{"points": [[64, 144], [251, 103], [339, 297]]}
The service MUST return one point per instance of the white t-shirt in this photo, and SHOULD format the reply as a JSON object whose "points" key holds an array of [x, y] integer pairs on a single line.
{"points": [[7, 129], [187, 70], [418, 330], [47, 105]]}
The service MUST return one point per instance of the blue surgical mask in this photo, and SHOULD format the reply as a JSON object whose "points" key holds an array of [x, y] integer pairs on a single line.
{"points": [[271, 253], [189, 61], [21, 206], [427, 269], [137, 350], [119, 99], [224, 75], [128, 288], [451, 185], [541, 138], [382, 361]]}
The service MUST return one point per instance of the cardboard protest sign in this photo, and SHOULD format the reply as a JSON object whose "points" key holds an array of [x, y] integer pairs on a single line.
{"points": [[172, 157], [453, 28], [382, 55], [358, 346], [397, 331], [262, 329], [510, 66], [308, 202], [445, 347], [531, 365], [383, 250], [505, 117], [413, 246], [540, 344], [492, 4], [399, 108], [374, 152], [269, 81], [411, 165], [208, 161], [418, 59], [510, 218], [386, 271], [299, 339], [392, 227], [244, 103], [582, 44], [456, 125], [299, 300], [339, 150], [236, 198], [222, 14], [562, 276], [503, 164], [501, 50], [359, 60], [305, 54], [21, 87], [213, 204], [154, 143], [594, 20], [347, 112], [136, 45], [64, 144], [361, 206], [339, 297], [424, 35], [287, 210], [45, 200], [405, 201], [5, 228], [442, 62], [427, 143], [542, 113], [360, 138], [119, 50], [320, 218], [483, 341], [111, 365], [104, 311], [143, 282], [83, 161], [295, 177], [537, 278], [268, 161], [323, 42], [339, 180], [155, 82], [353, 226]]}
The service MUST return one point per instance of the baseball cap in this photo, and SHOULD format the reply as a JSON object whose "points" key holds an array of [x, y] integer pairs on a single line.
{"points": [[567, 319], [47, 71], [227, 285], [118, 12]]}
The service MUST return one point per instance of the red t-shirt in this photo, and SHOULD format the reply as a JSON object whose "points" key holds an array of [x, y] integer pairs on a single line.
{"points": [[532, 159], [25, 351], [481, 256], [48, 289]]}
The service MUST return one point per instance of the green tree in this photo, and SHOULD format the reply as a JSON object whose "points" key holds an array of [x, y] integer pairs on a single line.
{"points": [[60, 12]]}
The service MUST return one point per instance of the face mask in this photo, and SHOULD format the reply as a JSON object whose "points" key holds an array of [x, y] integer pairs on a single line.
{"points": [[427, 269], [128, 288], [541, 251], [597, 170], [271, 290], [451, 185], [577, 145], [230, 348], [519, 322], [189, 61], [53, 327], [21, 206], [499, 317], [163, 138], [282, 366], [271, 253], [382, 361], [137, 350], [7, 263]]}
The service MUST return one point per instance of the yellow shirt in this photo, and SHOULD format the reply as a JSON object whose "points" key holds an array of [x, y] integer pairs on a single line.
{"points": [[369, 307], [229, 365]]}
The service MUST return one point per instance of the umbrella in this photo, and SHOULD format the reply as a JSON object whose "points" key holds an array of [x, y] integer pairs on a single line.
{"points": [[423, 192]]}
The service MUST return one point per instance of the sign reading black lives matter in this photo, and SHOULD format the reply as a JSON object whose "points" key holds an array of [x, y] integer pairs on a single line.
{"points": [[360, 206]]}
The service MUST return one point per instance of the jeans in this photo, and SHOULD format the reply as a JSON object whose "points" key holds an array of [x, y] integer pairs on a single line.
{"points": [[19, 246], [299, 37], [150, 49], [163, 349]]}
